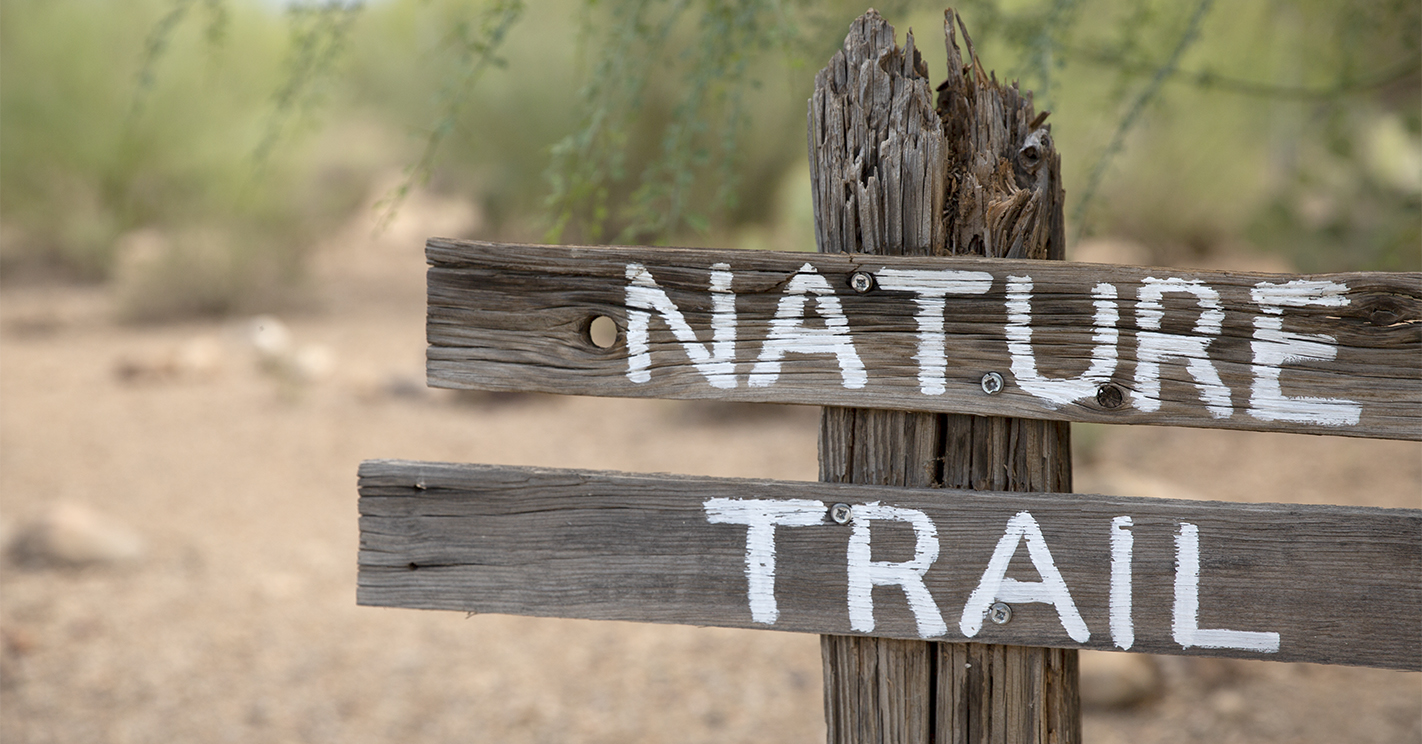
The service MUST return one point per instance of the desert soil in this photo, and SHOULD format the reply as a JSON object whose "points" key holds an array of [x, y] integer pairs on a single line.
{"points": [[238, 620]]}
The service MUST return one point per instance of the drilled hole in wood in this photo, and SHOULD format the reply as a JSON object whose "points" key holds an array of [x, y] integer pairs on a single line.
{"points": [[1110, 397], [602, 332]]}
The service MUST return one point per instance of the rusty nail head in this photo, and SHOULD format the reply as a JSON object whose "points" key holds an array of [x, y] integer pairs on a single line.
{"points": [[861, 281], [841, 513], [1000, 613], [992, 383]]}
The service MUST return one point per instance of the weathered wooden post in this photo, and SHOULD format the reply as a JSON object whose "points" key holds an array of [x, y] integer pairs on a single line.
{"points": [[974, 173]]}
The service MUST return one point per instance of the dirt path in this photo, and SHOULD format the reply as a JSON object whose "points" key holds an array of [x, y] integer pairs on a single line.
{"points": [[238, 622]]}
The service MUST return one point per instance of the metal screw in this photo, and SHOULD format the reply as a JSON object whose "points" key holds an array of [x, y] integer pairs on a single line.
{"points": [[841, 513], [1110, 396], [1000, 613], [993, 383], [861, 281]]}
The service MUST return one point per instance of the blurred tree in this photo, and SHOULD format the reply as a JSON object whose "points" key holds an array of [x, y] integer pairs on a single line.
{"points": [[656, 145], [1292, 124], [127, 134]]}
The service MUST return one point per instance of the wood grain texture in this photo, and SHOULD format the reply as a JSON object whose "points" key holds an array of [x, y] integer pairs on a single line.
{"points": [[897, 170], [516, 317], [1337, 583], [989, 692], [982, 171], [874, 687], [879, 689], [1040, 704], [879, 157]]}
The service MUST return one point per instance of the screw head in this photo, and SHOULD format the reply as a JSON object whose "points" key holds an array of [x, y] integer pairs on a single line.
{"points": [[861, 281], [1109, 396], [993, 383], [841, 513], [1000, 613]]}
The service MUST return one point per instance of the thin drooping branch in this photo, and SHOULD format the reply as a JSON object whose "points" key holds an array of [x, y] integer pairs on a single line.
{"points": [[1128, 122]]}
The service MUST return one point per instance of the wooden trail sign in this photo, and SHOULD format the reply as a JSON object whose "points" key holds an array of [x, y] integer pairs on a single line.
{"points": [[1323, 354], [1325, 584], [890, 327]]}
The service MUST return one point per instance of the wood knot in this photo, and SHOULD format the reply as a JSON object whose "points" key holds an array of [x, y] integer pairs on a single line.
{"points": [[1383, 317], [1034, 150], [1384, 311]]}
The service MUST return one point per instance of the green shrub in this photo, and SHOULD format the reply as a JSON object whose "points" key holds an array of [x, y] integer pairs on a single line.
{"points": [[112, 122]]}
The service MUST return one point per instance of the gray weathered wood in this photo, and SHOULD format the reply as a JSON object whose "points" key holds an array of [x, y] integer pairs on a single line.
{"points": [[879, 689], [1039, 702], [1338, 584], [516, 317], [975, 175], [994, 692]]}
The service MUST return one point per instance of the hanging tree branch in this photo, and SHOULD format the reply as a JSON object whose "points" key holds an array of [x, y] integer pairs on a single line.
{"points": [[590, 163], [155, 46], [1128, 122], [1208, 79], [478, 44], [318, 36]]}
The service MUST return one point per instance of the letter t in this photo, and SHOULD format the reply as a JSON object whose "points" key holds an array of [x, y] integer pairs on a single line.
{"points": [[761, 517]]}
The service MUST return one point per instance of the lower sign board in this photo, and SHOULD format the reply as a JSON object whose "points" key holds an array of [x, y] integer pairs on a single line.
{"points": [[1326, 584]]}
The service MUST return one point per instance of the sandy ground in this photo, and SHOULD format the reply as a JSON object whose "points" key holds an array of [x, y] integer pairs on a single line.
{"points": [[238, 622]]}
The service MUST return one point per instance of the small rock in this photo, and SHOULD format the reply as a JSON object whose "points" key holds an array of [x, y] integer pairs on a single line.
{"points": [[312, 363], [200, 357], [71, 535], [16, 640], [405, 386], [15, 644], [1212, 673], [1117, 680], [279, 356], [196, 359], [1228, 703], [269, 337]]}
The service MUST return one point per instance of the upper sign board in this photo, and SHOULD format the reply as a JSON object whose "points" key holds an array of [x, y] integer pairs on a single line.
{"points": [[1322, 354]]}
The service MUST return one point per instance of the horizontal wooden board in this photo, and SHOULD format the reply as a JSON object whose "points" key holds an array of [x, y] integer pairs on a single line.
{"points": [[1326, 584], [1323, 354]]}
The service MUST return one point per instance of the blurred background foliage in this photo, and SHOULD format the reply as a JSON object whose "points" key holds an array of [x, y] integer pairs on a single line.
{"points": [[206, 145]]}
